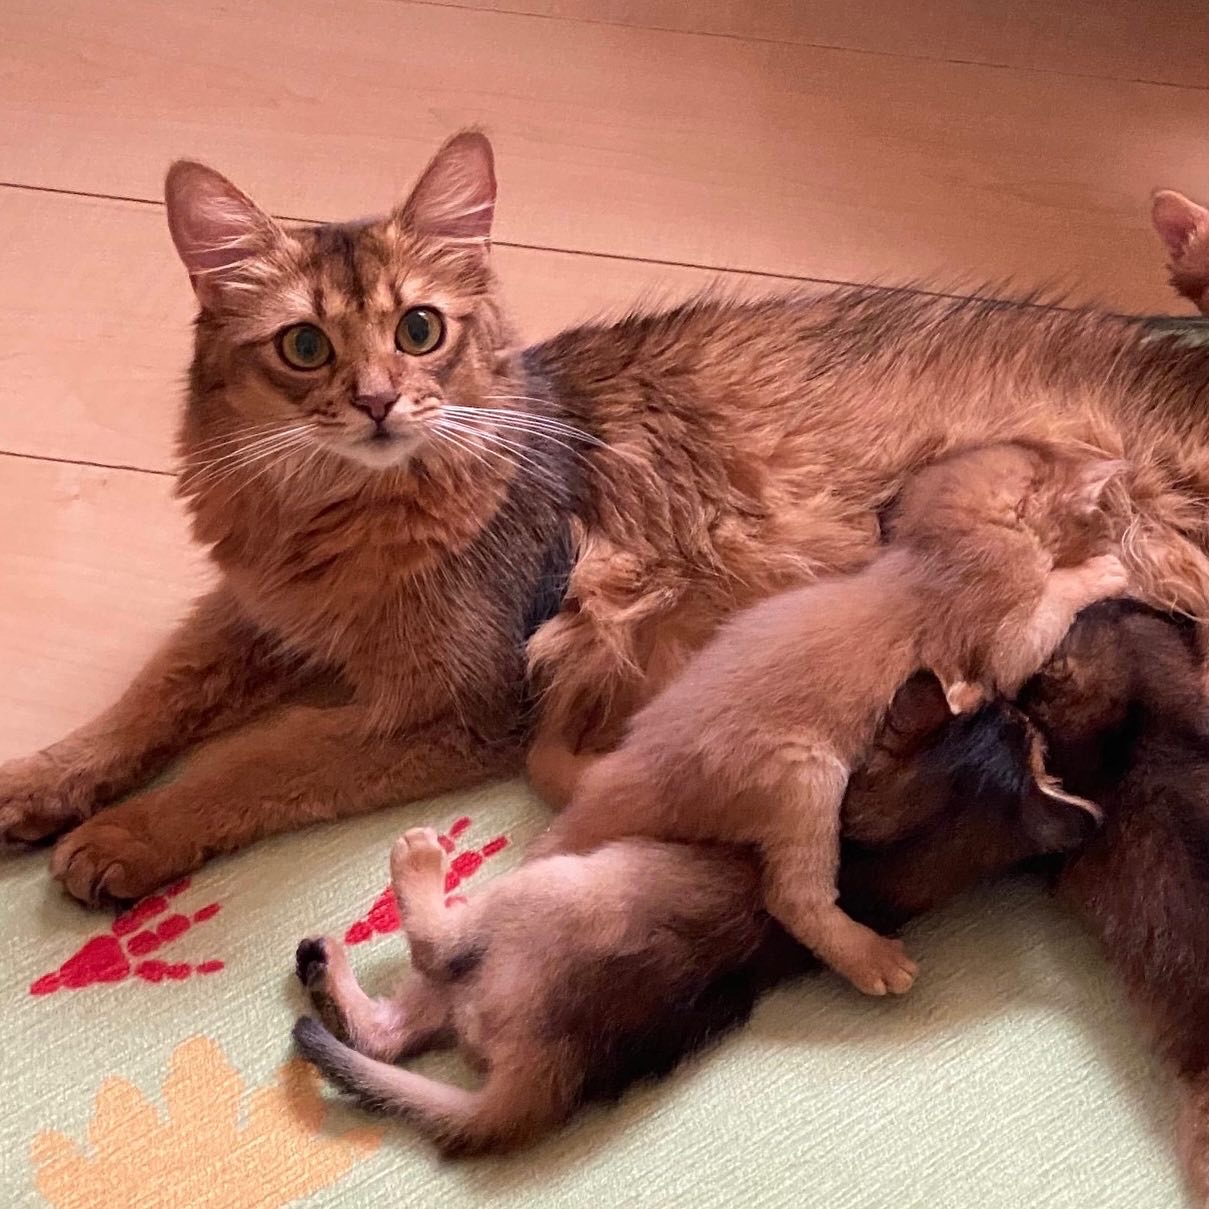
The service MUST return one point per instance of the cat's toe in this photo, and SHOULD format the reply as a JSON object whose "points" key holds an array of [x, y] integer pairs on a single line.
{"points": [[310, 961]]}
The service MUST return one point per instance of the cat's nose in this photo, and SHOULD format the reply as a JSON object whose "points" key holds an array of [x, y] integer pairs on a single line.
{"points": [[378, 406]]}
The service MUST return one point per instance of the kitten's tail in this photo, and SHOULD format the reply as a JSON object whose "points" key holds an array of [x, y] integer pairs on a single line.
{"points": [[505, 1112]]}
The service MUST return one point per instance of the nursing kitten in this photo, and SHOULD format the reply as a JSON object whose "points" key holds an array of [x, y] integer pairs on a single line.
{"points": [[1184, 227], [1123, 713], [395, 494], [572, 977], [993, 553]]}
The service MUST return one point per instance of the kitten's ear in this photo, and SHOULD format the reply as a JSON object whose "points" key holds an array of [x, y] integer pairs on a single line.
{"points": [[216, 228], [1093, 476], [1179, 220], [455, 197]]}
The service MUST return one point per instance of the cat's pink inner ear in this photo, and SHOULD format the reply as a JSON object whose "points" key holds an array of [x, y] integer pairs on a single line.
{"points": [[1179, 220], [455, 197], [214, 226], [1095, 475]]}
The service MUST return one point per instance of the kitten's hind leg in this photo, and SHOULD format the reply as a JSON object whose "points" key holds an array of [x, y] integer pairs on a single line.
{"points": [[516, 1103], [801, 863], [415, 1018], [417, 875]]}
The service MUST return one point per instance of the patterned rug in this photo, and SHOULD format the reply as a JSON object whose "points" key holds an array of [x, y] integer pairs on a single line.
{"points": [[149, 1063]]}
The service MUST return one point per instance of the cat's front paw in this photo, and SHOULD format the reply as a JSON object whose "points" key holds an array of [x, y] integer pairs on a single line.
{"points": [[111, 858], [39, 799]]}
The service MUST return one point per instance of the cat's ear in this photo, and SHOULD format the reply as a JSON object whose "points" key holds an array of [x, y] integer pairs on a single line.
{"points": [[1179, 220], [216, 228], [454, 199], [1093, 476]]}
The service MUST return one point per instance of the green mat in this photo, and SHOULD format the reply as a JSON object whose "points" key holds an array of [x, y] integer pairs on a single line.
{"points": [[149, 1067]]}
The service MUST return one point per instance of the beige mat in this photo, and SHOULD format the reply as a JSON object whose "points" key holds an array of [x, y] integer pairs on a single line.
{"points": [[147, 1061]]}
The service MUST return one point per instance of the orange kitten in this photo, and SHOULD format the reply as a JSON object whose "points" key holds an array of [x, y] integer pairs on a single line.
{"points": [[993, 553]]}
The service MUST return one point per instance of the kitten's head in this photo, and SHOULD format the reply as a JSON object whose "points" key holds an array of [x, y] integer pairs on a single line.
{"points": [[1054, 497], [1184, 227], [985, 771], [353, 337], [1122, 671]]}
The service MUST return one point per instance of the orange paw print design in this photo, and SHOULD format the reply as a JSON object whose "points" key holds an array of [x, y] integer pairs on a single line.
{"points": [[208, 1152]]}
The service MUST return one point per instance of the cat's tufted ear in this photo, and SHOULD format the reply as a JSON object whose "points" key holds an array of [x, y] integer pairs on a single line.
{"points": [[1184, 227], [217, 229], [455, 197], [1178, 219]]}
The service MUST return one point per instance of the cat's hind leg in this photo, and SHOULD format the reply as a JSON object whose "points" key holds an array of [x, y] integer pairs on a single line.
{"points": [[415, 1018], [801, 849]]}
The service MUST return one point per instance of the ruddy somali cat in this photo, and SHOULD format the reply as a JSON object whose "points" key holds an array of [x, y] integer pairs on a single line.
{"points": [[994, 552], [394, 492]]}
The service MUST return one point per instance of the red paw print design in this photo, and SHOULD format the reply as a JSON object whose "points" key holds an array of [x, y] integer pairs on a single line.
{"points": [[124, 951], [383, 916]]}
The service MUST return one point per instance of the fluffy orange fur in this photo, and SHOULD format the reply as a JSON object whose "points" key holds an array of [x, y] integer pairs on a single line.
{"points": [[994, 552]]}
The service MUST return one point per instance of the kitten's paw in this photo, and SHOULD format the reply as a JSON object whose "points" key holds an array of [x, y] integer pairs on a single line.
{"points": [[320, 963], [39, 799], [1103, 577], [879, 966], [417, 852], [104, 859], [310, 962], [964, 696]]}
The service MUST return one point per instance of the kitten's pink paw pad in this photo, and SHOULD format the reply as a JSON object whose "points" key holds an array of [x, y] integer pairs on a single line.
{"points": [[417, 851]]}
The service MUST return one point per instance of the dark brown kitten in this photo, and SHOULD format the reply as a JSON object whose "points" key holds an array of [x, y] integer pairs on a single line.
{"points": [[1122, 710]]}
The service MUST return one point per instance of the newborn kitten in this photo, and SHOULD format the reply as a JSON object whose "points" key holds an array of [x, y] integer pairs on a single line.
{"points": [[1184, 227], [991, 558], [1122, 711], [576, 975]]}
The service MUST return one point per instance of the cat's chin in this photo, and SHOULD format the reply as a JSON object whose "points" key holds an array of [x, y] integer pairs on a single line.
{"points": [[379, 453]]}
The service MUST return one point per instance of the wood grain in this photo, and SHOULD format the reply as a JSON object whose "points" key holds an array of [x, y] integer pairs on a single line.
{"points": [[1159, 40], [636, 142], [94, 569], [96, 312]]}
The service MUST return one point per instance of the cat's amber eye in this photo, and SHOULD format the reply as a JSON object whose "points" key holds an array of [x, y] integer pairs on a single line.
{"points": [[420, 331], [304, 346]]}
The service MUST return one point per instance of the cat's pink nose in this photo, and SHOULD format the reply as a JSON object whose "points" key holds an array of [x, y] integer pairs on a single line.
{"points": [[377, 407]]}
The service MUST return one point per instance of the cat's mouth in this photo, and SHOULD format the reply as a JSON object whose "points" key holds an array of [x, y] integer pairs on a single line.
{"points": [[382, 447]]}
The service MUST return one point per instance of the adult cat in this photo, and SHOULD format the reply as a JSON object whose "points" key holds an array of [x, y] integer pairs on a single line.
{"points": [[386, 537]]}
